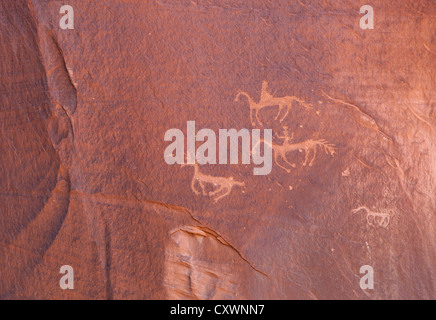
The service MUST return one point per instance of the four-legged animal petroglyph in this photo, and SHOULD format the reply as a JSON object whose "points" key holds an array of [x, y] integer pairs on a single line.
{"points": [[268, 100], [223, 185], [382, 219], [308, 146]]}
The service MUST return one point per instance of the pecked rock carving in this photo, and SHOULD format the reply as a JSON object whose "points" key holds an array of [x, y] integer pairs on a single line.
{"points": [[223, 185], [309, 147], [382, 219], [130, 225], [268, 100]]}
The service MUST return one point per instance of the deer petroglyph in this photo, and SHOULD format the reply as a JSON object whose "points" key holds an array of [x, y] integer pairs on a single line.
{"points": [[223, 185], [268, 100], [382, 219], [309, 147]]}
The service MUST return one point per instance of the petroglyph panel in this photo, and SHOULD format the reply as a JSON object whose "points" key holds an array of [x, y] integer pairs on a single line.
{"points": [[85, 105]]}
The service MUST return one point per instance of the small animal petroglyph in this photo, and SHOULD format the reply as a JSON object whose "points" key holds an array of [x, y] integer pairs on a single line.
{"points": [[308, 146], [223, 185], [382, 219], [346, 173], [268, 100]]}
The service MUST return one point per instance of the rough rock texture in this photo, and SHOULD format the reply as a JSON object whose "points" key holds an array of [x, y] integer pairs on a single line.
{"points": [[83, 181]]}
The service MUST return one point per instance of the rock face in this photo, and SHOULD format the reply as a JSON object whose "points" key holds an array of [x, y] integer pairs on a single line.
{"points": [[84, 183]]}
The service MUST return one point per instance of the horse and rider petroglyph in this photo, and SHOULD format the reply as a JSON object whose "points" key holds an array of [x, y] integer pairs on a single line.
{"points": [[268, 100], [309, 147], [217, 187]]}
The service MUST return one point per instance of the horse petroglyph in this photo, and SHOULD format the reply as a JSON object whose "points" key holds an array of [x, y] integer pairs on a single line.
{"points": [[268, 100], [309, 147], [223, 185], [215, 149], [382, 219]]}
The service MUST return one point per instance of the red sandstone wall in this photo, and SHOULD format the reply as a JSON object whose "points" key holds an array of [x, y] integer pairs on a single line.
{"points": [[83, 181]]}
